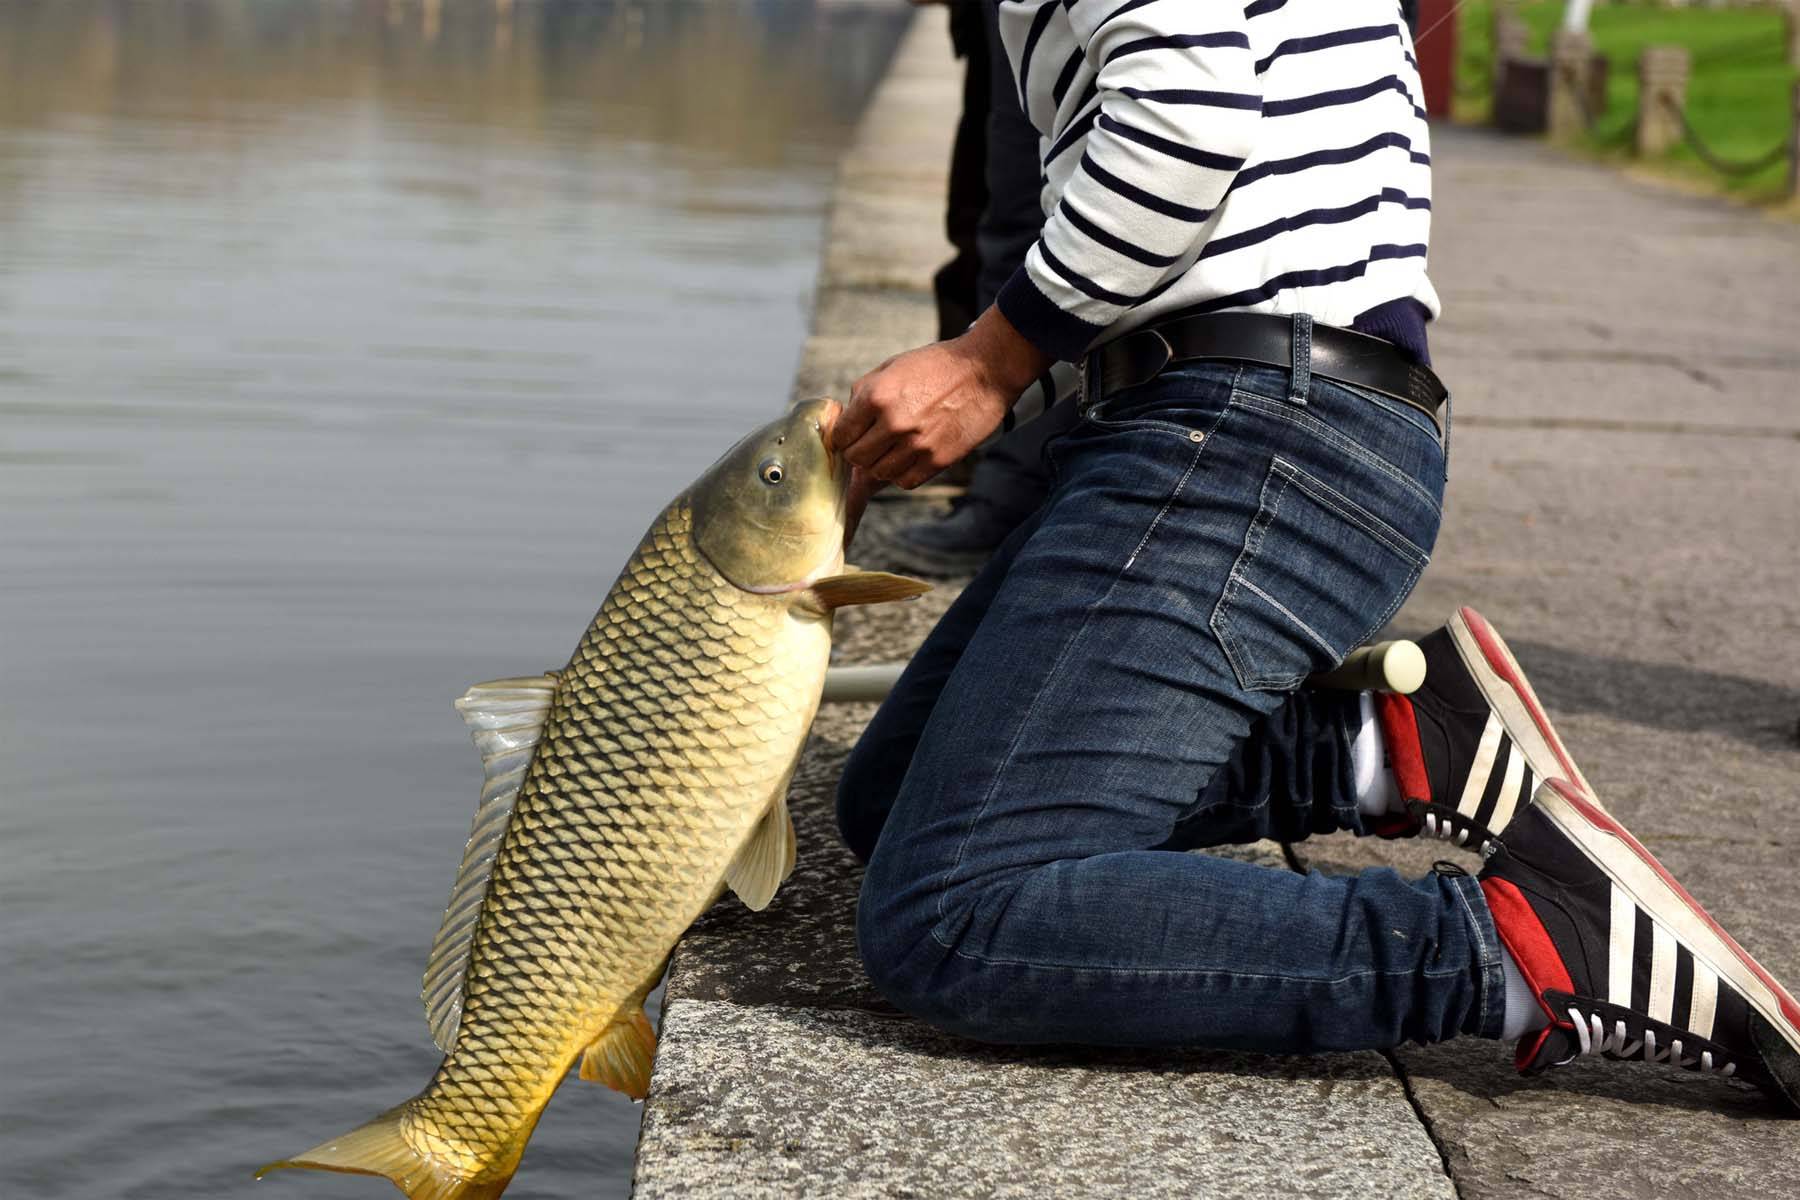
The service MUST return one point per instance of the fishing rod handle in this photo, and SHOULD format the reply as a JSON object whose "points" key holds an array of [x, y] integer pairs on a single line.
{"points": [[1397, 666]]}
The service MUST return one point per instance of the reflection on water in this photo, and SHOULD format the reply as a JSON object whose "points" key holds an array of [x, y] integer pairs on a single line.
{"points": [[345, 349]]}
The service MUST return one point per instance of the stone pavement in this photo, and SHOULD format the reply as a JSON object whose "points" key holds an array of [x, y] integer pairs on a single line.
{"points": [[1625, 487]]}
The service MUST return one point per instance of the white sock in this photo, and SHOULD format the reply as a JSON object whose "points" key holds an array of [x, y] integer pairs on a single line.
{"points": [[1376, 790], [1523, 1012]]}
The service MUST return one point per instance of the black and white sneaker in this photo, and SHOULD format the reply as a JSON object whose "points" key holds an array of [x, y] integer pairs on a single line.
{"points": [[1624, 962], [1470, 746]]}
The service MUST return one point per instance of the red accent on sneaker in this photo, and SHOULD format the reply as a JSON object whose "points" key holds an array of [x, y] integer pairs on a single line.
{"points": [[1489, 641], [1529, 943], [1400, 732], [1526, 1052], [1526, 937], [1598, 818]]}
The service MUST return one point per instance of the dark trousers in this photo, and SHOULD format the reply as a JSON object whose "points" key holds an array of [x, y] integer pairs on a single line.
{"points": [[955, 284], [1116, 687]]}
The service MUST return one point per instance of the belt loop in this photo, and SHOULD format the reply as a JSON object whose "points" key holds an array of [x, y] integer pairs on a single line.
{"points": [[1300, 379]]}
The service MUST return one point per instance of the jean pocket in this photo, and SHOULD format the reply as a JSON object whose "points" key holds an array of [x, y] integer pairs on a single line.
{"points": [[1131, 414], [1319, 575], [1180, 401]]}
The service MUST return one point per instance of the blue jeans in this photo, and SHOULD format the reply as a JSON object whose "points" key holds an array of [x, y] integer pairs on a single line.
{"points": [[1118, 687]]}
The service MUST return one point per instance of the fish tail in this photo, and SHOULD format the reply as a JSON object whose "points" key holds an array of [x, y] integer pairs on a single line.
{"points": [[380, 1148]]}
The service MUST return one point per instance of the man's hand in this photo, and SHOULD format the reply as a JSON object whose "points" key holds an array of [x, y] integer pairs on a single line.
{"points": [[920, 411]]}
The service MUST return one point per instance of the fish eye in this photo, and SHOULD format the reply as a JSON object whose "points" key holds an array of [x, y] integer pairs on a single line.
{"points": [[771, 471]]}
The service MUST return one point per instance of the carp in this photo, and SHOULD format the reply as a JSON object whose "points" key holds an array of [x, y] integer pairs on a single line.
{"points": [[623, 794]]}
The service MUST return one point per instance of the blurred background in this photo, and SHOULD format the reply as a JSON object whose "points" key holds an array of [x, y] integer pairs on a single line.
{"points": [[346, 348]]}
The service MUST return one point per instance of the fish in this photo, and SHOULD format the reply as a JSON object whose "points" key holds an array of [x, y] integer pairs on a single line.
{"points": [[623, 794]]}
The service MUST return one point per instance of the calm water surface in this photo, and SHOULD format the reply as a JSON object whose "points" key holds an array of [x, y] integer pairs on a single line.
{"points": [[345, 350]]}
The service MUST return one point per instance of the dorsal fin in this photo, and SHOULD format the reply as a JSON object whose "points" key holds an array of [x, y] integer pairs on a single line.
{"points": [[505, 719]]}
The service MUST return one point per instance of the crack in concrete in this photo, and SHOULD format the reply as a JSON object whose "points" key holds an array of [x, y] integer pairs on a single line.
{"points": [[1425, 1121], [1298, 865], [1639, 357], [1603, 425]]}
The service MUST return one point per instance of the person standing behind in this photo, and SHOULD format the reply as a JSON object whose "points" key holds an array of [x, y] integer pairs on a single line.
{"points": [[998, 162], [1239, 208]]}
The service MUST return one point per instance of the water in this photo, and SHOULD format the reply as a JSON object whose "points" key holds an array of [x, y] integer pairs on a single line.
{"points": [[345, 350]]}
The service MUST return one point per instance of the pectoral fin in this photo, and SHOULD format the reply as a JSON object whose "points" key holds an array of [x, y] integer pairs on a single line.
{"points": [[863, 587], [766, 860], [622, 1056]]}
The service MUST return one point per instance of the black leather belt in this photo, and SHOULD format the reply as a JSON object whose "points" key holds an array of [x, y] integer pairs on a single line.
{"points": [[1264, 338]]}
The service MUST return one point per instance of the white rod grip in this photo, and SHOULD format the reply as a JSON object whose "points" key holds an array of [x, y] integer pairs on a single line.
{"points": [[1386, 667], [845, 685], [1383, 667]]}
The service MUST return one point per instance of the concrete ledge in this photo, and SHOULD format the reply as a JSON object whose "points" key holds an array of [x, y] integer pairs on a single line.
{"points": [[759, 1102]]}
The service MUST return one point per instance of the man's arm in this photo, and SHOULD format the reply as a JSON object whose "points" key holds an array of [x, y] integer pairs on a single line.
{"points": [[1171, 122], [920, 411]]}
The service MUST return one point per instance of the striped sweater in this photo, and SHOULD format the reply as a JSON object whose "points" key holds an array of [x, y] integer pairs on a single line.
{"points": [[1212, 155]]}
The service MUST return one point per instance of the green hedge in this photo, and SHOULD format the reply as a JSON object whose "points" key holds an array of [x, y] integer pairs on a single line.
{"points": [[1740, 95]]}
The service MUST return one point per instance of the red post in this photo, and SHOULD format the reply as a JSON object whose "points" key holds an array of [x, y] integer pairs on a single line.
{"points": [[1437, 54]]}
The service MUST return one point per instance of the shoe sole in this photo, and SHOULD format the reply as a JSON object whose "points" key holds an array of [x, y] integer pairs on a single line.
{"points": [[1503, 685], [1649, 884]]}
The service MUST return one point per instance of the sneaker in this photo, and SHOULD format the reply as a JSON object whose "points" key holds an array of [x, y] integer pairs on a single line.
{"points": [[957, 543], [1470, 747], [1623, 961]]}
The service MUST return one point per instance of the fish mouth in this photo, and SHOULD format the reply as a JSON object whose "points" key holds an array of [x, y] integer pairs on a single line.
{"points": [[823, 423]]}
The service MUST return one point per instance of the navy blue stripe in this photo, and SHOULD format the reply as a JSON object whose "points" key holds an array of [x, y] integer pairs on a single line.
{"points": [[1066, 78], [1327, 41], [1139, 196], [1351, 95], [1316, 216], [1120, 11], [1410, 60], [1059, 334], [1078, 129], [1188, 154], [1112, 241], [1088, 93], [1039, 23], [1162, 287], [1260, 7], [1181, 41], [1082, 282], [1321, 158], [1243, 100], [1325, 275]]}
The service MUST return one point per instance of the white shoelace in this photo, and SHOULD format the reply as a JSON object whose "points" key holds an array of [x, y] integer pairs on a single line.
{"points": [[1594, 1038], [1442, 827]]}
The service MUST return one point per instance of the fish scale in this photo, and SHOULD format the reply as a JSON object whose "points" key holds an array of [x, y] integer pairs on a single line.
{"points": [[621, 796], [611, 854]]}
